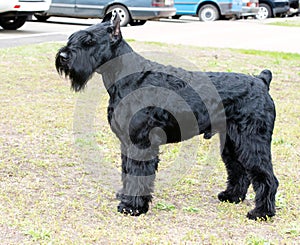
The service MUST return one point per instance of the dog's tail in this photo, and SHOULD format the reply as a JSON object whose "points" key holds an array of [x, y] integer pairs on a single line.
{"points": [[266, 77]]}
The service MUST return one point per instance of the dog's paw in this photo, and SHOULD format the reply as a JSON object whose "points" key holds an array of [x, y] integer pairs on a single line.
{"points": [[128, 211], [132, 211], [132, 205], [259, 215], [225, 196]]}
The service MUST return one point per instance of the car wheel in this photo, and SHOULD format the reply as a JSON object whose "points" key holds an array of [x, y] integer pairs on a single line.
{"points": [[12, 23], [137, 22], [264, 12], [122, 12], [208, 12], [41, 17]]}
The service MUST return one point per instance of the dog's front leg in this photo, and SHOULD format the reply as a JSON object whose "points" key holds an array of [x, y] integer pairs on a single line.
{"points": [[138, 183]]}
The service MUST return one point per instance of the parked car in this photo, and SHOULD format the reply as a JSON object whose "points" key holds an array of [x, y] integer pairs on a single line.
{"points": [[294, 7], [272, 8], [14, 13], [211, 10], [135, 12]]}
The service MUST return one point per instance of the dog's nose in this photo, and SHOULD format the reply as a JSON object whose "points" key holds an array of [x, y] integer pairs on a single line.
{"points": [[64, 57]]}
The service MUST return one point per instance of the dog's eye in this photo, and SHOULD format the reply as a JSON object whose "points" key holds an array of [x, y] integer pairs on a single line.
{"points": [[89, 42]]}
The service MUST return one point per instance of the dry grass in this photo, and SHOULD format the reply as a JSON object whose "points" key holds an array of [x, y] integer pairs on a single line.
{"points": [[54, 189]]}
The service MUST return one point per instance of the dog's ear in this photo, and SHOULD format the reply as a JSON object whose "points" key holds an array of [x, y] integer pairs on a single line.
{"points": [[107, 17], [117, 26], [115, 29]]}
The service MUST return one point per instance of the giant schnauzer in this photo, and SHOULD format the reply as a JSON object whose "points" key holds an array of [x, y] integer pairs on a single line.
{"points": [[151, 104]]}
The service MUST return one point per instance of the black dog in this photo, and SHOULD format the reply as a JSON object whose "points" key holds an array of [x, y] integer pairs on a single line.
{"points": [[151, 104]]}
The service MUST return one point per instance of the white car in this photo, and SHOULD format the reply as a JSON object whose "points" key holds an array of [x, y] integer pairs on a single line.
{"points": [[14, 13]]}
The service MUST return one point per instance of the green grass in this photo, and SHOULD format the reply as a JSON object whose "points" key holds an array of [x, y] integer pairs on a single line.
{"points": [[165, 207], [288, 23], [273, 55], [58, 183]]}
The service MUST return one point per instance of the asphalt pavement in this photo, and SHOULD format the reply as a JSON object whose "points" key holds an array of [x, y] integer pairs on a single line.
{"points": [[242, 34]]}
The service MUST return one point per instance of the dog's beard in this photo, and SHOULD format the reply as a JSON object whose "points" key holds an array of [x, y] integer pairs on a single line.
{"points": [[79, 79]]}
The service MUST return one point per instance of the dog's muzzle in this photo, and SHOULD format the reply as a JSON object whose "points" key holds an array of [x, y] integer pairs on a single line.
{"points": [[62, 62], [64, 57]]}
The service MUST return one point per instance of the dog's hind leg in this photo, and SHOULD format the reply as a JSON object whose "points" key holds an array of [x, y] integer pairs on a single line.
{"points": [[265, 184], [237, 181], [255, 155], [138, 185]]}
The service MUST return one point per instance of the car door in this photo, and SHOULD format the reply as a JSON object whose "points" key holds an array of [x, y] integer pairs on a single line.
{"points": [[237, 6], [62, 7], [91, 8], [186, 6]]}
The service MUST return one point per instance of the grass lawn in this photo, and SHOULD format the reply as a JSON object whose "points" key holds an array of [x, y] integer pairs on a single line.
{"points": [[59, 189], [289, 23]]}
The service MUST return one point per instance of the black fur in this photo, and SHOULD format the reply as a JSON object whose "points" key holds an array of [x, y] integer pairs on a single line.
{"points": [[162, 104]]}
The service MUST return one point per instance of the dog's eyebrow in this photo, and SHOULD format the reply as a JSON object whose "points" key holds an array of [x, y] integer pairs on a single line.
{"points": [[79, 36]]}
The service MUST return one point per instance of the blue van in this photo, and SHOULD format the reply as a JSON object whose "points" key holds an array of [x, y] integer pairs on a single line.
{"points": [[211, 10]]}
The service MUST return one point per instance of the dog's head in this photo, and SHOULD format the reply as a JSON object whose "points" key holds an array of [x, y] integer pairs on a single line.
{"points": [[87, 50]]}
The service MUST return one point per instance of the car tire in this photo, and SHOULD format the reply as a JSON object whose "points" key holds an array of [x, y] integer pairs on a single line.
{"points": [[264, 12], [41, 17], [208, 12], [122, 12], [13, 23], [137, 22]]}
